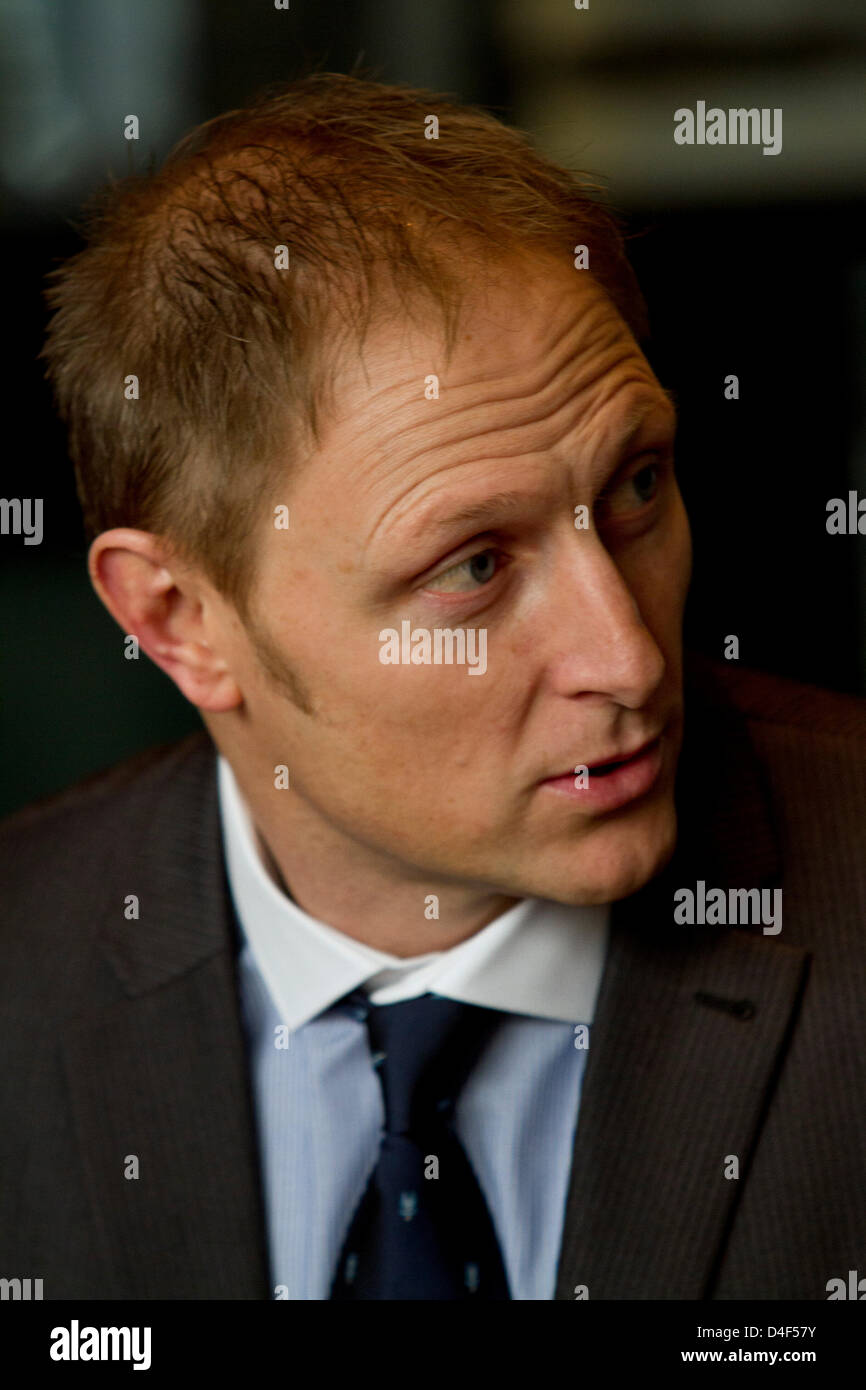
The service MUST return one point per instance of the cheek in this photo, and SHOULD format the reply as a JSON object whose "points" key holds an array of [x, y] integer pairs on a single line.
{"points": [[394, 724], [411, 755], [440, 710], [426, 730]]}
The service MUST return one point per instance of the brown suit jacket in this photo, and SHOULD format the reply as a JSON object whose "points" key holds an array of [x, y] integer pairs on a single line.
{"points": [[124, 1037]]}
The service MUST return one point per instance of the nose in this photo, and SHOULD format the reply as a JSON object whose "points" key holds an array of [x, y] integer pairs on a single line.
{"points": [[600, 643]]}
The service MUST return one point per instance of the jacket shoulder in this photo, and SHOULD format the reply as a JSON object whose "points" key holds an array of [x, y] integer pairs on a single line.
{"points": [[102, 810], [764, 699]]}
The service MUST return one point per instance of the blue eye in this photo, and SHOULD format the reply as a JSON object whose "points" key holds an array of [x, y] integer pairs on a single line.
{"points": [[478, 569]]}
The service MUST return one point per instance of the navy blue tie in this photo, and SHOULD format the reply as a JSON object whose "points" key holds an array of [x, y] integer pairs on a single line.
{"points": [[422, 1229]]}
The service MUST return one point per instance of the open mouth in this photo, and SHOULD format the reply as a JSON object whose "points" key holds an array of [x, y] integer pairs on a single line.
{"points": [[611, 785], [604, 769]]}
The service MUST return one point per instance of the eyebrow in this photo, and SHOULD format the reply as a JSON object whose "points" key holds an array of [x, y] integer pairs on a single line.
{"points": [[498, 504], [501, 506], [635, 418]]}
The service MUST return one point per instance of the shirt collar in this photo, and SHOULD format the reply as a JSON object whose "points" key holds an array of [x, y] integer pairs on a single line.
{"points": [[539, 958]]}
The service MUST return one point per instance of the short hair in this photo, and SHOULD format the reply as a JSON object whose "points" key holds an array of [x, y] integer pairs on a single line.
{"points": [[178, 285]]}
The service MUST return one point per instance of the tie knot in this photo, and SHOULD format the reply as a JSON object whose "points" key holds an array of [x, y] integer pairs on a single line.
{"points": [[423, 1050]]}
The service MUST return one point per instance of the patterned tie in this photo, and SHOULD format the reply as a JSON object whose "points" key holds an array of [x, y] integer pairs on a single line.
{"points": [[422, 1229]]}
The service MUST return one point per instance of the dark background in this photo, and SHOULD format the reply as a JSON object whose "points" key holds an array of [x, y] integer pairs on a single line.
{"points": [[753, 265]]}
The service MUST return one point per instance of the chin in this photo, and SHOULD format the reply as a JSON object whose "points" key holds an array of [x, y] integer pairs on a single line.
{"points": [[617, 859]]}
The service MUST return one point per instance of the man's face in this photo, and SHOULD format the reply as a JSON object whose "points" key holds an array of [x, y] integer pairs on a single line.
{"points": [[459, 512]]}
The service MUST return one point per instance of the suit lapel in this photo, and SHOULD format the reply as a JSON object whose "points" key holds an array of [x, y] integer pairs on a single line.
{"points": [[674, 1085], [160, 1076], [690, 1032]]}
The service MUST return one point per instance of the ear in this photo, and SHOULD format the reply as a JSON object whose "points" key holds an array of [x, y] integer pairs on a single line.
{"points": [[172, 610]]}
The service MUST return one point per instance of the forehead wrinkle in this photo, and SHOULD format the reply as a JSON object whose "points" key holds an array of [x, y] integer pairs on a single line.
{"points": [[558, 344], [617, 433], [540, 378], [397, 503], [569, 398], [547, 387], [634, 416]]}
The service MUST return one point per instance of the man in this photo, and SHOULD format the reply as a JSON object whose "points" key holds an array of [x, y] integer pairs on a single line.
{"points": [[400, 981]]}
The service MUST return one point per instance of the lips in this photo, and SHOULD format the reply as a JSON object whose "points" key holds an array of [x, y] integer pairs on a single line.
{"points": [[609, 764], [614, 782]]}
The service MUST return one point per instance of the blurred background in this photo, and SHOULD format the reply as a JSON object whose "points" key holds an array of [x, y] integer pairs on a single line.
{"points": [[752, 265]]}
